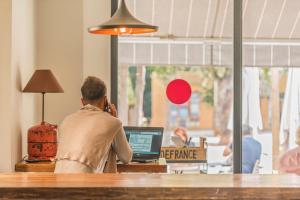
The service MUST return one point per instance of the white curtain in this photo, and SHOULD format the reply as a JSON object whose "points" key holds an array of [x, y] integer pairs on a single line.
{"points": [[250, 100], [290, 111]]}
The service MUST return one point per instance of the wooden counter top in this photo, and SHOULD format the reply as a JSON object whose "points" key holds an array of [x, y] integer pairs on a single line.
{"points": [[144, 186]]}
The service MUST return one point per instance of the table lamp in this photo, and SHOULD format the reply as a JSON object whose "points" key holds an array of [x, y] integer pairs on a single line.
{"points": [[43, 81], [42, 138]]}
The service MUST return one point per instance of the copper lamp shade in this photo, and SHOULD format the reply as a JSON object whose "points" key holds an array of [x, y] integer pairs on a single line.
{"points": [[123, 23], [43, 81]]}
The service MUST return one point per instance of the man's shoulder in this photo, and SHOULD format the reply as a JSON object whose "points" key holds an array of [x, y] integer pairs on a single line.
{"points": [[104, 117], [69, 116], [293, 151], [251, 140], [108, 118], [113, 119]]}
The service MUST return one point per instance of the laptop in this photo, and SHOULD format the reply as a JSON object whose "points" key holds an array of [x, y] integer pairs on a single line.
{"points": [[145, 142]]}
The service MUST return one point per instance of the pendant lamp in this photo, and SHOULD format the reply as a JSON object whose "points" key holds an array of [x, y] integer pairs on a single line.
{"points": [[123, 23]]}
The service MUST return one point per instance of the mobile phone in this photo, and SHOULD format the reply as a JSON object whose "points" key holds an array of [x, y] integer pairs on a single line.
{"points": [[106, 107]]}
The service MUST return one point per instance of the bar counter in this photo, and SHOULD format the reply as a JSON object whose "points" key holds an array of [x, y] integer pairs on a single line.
{"points": [[147, 186]]}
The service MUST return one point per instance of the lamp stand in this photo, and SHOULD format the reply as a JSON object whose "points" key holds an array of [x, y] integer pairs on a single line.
{"points": [[43, 107]]}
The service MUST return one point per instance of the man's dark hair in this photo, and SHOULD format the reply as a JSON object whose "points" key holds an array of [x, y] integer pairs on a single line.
{"points": [[93, 89], [247, 130]]}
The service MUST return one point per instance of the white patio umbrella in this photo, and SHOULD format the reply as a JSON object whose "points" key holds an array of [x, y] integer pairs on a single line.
{"points": [[290, 111], [251, 101]]}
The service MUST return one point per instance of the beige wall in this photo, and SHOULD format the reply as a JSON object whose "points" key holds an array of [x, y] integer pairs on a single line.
{"points": [[5, 91], [96, 55], [23, 65], [65, 46], [45, 34], [59, 48], [17, 61]]}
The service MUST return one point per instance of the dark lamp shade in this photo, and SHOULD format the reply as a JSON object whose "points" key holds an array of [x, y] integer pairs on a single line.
{"points": [[43, 81], [123, 23]]}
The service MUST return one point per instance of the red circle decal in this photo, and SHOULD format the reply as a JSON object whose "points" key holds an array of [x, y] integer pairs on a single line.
{"points": [[178, 91]]}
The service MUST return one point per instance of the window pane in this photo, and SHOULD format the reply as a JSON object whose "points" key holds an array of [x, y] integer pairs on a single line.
{"points": [[194, 43], [270, 85]]}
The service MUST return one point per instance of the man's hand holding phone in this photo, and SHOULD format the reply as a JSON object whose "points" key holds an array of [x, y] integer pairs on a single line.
{"points": [[110, 108]]}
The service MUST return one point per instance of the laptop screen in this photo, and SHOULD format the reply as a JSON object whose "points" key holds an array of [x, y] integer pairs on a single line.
{"points": [[144, 141]]}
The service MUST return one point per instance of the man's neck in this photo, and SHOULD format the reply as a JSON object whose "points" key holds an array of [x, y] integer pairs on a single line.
{"points": [[96, 105], [248, 135]]}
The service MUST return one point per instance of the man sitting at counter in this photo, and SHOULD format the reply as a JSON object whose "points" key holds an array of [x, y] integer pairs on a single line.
{"points": [[90, 138]]}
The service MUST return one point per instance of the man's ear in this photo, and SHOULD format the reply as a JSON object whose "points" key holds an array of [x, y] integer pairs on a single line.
{"points": [[104, 101], [82, 101]]}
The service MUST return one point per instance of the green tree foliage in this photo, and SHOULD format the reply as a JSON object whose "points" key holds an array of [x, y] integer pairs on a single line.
{"points": [[147, 105]]}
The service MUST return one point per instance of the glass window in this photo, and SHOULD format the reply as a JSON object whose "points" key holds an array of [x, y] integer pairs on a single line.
{"points": [[270, 85], [194, 43]]}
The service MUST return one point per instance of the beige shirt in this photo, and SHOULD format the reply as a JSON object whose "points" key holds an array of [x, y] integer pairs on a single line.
{"points": [[92, 137]]}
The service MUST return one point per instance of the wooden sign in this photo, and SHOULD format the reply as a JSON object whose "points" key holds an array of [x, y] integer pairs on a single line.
{"points": [[184, 154]]}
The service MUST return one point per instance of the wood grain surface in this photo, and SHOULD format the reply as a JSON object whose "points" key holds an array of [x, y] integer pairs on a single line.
{"points": [[135, 167], [35, 167], [148, 186], [132, 167]]}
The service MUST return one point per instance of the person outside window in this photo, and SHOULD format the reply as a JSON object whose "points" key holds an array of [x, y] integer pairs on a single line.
{"points": [[251, 150]]}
